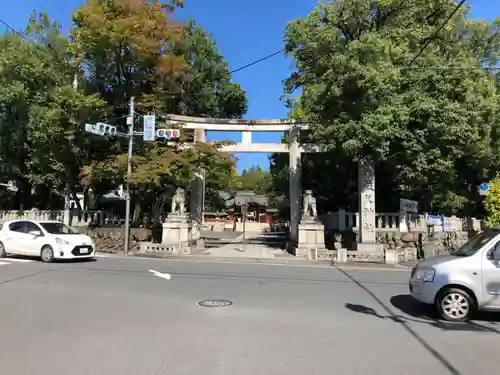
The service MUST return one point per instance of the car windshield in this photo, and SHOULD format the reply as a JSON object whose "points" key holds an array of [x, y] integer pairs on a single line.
{"points": [[476, 243], [58, 228]]}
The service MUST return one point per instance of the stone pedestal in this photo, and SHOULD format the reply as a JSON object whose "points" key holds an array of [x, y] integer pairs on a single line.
{"points": [[177, 230], [311, 235]]}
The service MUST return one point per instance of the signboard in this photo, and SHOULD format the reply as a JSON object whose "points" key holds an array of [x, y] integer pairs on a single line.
{"points": [[436, 220], [483, 188], [149, 128], [435, 223], [90, 128], [408, 205]]}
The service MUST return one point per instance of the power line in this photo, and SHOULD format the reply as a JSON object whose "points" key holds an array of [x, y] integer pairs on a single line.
{"points": [[60, 6], [257, 61], [11, 28], [434, 34]]}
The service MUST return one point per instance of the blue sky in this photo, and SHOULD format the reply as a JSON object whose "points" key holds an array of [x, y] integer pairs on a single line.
{"points": [[244, 31]]}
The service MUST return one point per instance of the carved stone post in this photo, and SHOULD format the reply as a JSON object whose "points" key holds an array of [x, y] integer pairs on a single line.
{"points": [[366, 204]]}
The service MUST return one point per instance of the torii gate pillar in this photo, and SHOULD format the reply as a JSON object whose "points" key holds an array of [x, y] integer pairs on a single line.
{"points": [[197, 186], [295, 170]]}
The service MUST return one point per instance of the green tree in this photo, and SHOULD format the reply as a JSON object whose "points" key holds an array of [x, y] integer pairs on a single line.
{"points": [[254, 179], [41, 116], [134, 48], [431, 130], [205, 89], [124, 47]]}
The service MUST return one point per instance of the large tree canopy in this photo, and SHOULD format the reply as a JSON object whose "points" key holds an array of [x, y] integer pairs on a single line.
{"points": [[205, 89], [41, 116], [431, 126], [134, 48], [118, 50]]}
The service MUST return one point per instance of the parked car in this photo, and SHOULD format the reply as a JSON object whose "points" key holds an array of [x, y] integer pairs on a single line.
{"points": [[463, 281], [49, 240]]}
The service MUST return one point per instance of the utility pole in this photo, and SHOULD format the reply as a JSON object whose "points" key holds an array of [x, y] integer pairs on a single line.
{"points": [[130, 121], [67, 193]]}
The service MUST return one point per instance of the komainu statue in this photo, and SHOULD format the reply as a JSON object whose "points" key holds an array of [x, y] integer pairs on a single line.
{"points": [[178, 202], [309, 205]]}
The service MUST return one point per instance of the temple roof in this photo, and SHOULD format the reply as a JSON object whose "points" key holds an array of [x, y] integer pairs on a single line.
{"points": [[240, 198]]}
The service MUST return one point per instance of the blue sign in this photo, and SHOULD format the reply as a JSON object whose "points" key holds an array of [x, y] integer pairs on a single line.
{"points": [[149, 128], [483, 188], [436, 220]]}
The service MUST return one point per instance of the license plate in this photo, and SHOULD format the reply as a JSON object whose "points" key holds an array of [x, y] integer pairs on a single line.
{"points": [[84, 250]]}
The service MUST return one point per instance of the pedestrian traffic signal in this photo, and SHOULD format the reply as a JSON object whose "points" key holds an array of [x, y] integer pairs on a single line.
{"points": [[167, 134]]}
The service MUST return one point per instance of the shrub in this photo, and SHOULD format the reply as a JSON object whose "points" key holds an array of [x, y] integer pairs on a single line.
{"points": [[492, 203]]}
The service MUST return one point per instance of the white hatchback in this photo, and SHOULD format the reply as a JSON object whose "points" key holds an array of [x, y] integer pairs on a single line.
{"points": [[49, 240]]}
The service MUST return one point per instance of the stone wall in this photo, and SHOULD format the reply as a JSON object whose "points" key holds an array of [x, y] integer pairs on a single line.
{"points": [[444, 242], [439, 243], [112, 240]]}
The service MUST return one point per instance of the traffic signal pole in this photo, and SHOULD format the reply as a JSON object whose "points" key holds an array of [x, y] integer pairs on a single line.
{"points": [[149, 134], [129, 173], [67, 193]]}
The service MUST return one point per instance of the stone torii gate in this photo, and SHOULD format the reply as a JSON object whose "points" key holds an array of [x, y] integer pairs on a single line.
{"points": [[366, 173]]}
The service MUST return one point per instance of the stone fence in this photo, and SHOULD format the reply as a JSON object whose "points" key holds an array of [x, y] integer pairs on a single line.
{"points": [[78, 218], [401, 221], [340, 221]]}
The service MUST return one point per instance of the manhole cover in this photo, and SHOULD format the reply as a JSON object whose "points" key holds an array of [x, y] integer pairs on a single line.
{"points": [[215, 303]]}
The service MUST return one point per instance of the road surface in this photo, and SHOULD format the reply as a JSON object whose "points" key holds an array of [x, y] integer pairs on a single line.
{"points": [[126, 317]]}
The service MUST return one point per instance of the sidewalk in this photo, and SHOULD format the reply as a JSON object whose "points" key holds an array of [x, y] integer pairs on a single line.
{"points": [[409, 264], [284, 261]]}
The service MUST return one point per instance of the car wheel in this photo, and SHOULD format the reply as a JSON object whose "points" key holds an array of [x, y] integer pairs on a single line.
{"points": [[3, 253], [455, 305], [47, 254]]}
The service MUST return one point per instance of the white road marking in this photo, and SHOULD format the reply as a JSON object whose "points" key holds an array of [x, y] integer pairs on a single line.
{"points": [[162, 275], [3, 263], [20, 260]]}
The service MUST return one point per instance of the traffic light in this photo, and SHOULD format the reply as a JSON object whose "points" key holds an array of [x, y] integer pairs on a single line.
{"points": [[167, 134], [101, 129]]}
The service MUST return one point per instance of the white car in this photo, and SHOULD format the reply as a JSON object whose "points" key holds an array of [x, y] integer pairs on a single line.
{"points": [[49, 240]]}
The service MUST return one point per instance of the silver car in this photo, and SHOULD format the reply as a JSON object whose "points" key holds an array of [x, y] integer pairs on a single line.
{"points": [[463, 281]]}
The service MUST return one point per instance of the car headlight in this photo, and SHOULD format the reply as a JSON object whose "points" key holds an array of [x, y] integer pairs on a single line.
{"points": [[60, 241], [425, 275]]}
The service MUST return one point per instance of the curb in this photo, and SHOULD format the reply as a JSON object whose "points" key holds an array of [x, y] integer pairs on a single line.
{"points": [[257, 261]]}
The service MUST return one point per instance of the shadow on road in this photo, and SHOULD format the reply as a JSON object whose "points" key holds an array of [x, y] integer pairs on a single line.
{"points": [[423, 314], [398, 319], [428, 314]]}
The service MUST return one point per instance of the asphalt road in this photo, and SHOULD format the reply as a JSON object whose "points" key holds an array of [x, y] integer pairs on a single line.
{"points": [[115, 317]]}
